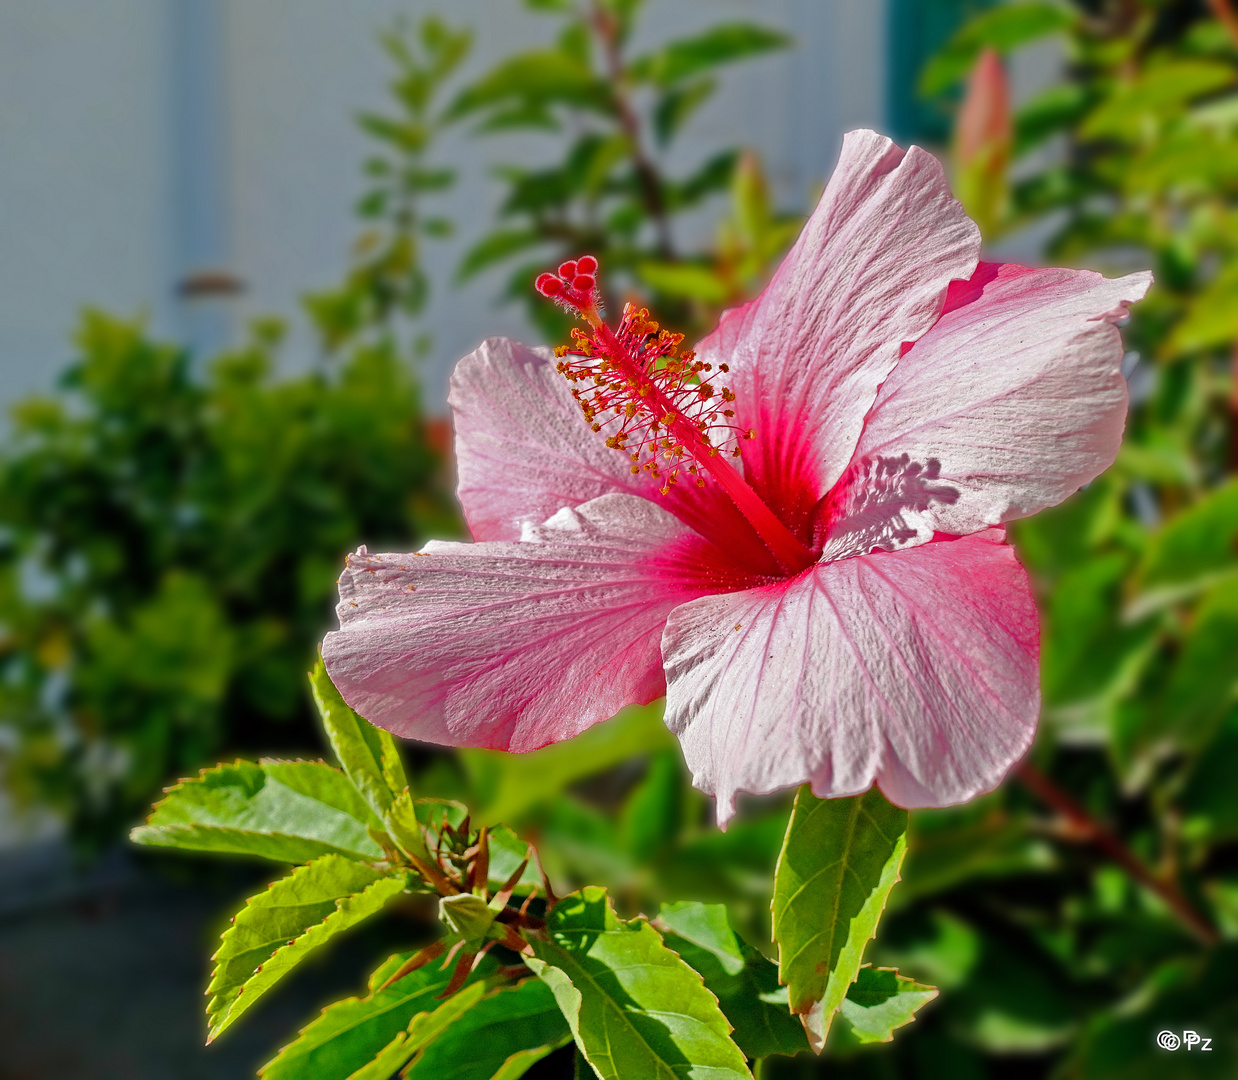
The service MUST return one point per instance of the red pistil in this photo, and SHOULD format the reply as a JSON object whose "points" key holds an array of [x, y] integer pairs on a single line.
{"points": [[659, 406]]}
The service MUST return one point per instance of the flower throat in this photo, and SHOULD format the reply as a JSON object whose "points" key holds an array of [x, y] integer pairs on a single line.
{"points": [[659, 407]]}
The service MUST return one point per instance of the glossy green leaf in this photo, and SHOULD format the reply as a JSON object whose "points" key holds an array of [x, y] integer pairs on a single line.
{"points": [[349, 1034], [634, 1007], [721, 44], [423, 1030], [1005, 28], [839, 861], [522, 1061], [277, 929], [367, 753], [677, 104], [521, 1019], [1203, 683], [495, 247], [744, 982], [404, 826], [289, 811], [881, 1000]]}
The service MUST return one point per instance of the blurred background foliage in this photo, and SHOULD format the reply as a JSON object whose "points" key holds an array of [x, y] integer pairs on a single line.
{"points": [[172, 528]]}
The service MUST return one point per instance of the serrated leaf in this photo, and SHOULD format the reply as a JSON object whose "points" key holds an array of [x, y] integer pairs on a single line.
{"points": [[422, 1031], [349, 1034], [511, 1020], [839, 861], [405, 827], [367, 753], [277, 929], [721, 44], [288, 811], [634, 1007], [881, 1000], [1006, 27], [744, 982]]}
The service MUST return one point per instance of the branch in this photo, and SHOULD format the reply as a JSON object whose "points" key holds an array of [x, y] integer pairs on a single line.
{"points": [[1093, 831], [646, 173]]}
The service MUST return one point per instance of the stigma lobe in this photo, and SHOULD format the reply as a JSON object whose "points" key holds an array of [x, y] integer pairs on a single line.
{"points": [[656, 405]]}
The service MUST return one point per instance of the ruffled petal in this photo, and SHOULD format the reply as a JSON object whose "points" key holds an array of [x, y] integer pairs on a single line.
{"points": [[523, 450], [1012, 402], [869, 272], [916, 670], [512, 645]]}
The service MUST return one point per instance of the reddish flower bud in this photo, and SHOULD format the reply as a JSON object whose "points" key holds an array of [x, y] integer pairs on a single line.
{"points": [[584, 283], [567, 270], [586, 264]]}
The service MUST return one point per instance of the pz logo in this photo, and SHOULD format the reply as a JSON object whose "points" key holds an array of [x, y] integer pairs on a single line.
{"points": [[1191, 1040]]}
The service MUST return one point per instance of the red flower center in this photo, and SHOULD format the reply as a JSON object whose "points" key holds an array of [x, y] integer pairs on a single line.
{"points": [[659, 406]]}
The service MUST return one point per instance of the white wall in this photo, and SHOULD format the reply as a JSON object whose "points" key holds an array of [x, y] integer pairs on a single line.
{"points": [[97, 131]]}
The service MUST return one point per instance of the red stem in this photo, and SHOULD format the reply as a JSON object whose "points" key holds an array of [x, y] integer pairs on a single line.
{"points": [[1093, 831]]}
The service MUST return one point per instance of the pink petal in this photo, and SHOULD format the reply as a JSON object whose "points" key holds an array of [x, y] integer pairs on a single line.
{"points": [[523, 449], [512, 645], [869, 272], [914, 669], [1009, 404]]}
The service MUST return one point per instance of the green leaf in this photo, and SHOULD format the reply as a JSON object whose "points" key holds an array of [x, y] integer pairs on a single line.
{"points": [[422, 1031], [1159, 93], [881, 1000], [1006, 27], [508, 785], [1204, 680], [1212, 317], [1193, 550], [351, 1033], [277, 929], [721, 44], [744, 982], [495, 247], [685, 280], [522, 1061], [634, 1007], [676, 105], [289, 811], [367, 753], [839, 861], [405, 827], [542, 76], [521, 1019]]}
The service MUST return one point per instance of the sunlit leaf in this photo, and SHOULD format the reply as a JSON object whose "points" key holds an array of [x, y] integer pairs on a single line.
{"points": [[367, 753], [839, 861], [277, 929], [634, 1007], [744, 982], [289, 811]]}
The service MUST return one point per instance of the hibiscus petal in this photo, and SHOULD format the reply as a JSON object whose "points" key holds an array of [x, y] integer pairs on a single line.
{"points": [[523, 449], [914, 669], [512, 645], [1009, 404], [869, 272]]}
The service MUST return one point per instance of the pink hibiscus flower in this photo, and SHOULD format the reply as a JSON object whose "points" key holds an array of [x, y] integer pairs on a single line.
{"points": [[815, 574]]}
